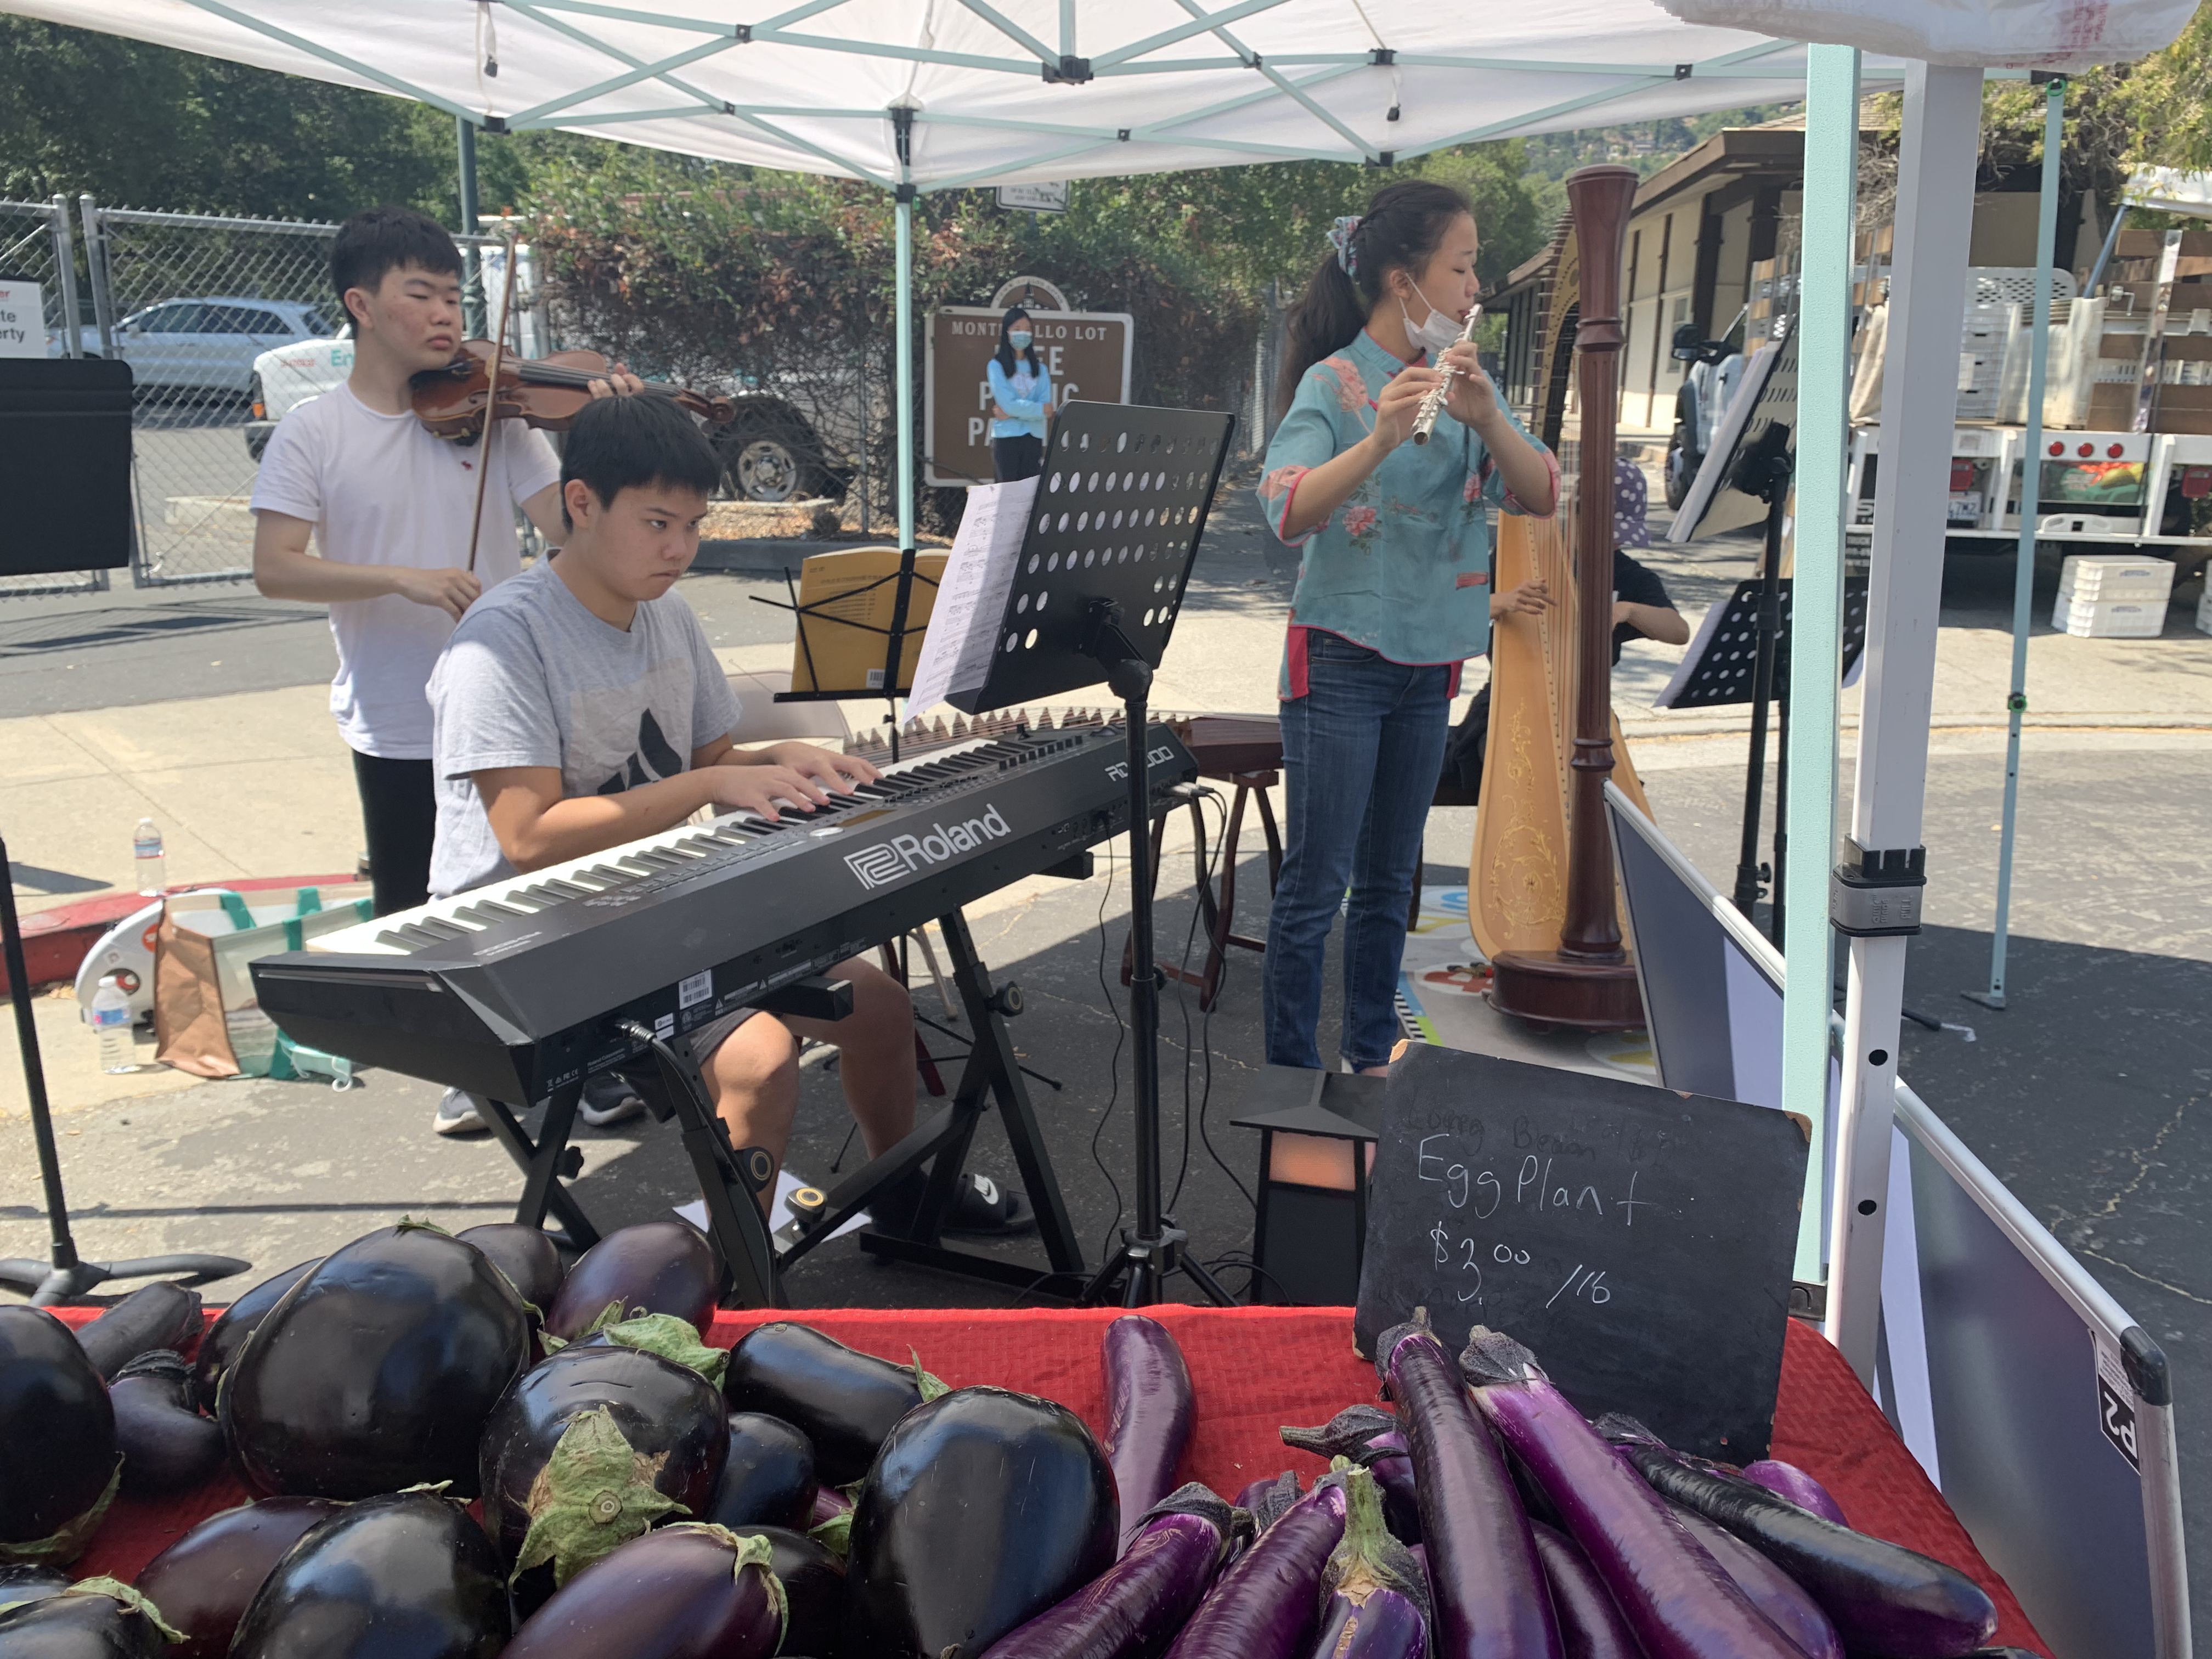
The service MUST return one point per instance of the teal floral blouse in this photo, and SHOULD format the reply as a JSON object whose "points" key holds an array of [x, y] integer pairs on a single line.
{"points": [[1402, 568]]}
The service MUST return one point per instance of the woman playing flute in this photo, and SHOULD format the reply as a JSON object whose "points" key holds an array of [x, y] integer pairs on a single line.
{"points": [[1393, 591]]}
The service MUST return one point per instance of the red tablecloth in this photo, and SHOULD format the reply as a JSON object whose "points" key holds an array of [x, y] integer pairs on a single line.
{"points": [[1255, 1370]]}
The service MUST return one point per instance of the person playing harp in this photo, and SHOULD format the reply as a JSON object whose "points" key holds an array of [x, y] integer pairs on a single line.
{"points": [[1393, 591]]}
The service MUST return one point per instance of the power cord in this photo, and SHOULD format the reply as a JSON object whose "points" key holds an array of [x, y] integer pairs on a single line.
{"points": [[1113, 1068], [1207, 878]]}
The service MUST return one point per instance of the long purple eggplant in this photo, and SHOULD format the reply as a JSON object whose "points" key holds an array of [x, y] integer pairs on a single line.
{"points": [[1677, 1599], [1488, 1584], [1771, 1590], [1799, 1487], [1881, 1597], [1266, 1500], [1267, 1605], [1135, 1607], [1371, 1437], [1149, 1412], [1590, 1626], [1375, 1595]]}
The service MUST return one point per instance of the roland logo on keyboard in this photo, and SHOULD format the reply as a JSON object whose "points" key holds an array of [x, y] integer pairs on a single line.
{"points": [[887, 861]]}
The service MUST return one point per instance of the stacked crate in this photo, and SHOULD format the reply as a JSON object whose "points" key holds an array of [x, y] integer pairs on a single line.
{"points": [[2112, 596]]}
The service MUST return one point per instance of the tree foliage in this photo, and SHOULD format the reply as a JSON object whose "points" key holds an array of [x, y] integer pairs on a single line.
{"points": [[140, 125]]}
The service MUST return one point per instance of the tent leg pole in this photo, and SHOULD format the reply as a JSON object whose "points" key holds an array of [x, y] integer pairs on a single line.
{"points": [[905, 372], [1934, 214], [1824, 351], [464, 139], [2030, 508]]}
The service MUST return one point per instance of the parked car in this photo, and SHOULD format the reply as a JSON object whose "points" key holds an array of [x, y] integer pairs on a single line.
{"points": [[206, 346], [770, 452]]}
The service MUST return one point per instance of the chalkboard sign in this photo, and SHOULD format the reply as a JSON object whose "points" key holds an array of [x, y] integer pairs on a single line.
{"points": [[1639, 1242]]}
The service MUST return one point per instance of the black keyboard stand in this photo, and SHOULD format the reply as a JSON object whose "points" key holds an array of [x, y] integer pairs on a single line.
{"points": [[753, 1261]]}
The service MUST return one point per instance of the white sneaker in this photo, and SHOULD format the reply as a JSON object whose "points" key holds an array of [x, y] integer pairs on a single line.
{"points": [[457, 1116], [609, 1100]]}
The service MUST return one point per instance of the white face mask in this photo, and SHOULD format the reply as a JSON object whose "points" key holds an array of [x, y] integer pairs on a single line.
{"points": [[1437, 334]]}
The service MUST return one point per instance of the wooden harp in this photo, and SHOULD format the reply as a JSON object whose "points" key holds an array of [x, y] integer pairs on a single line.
{"points": [[1541, 900]]}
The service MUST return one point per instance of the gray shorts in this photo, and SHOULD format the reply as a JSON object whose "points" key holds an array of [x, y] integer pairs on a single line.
{"points": [[716, 1031]]}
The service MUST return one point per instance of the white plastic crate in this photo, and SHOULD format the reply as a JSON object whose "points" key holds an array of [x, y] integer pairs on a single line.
{"points": [[2094, 578], [2110, 619], [2204, 609]]}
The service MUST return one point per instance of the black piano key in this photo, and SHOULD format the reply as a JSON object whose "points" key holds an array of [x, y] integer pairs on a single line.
{"points": [[566, 889], [415, 936], [440, 927]]}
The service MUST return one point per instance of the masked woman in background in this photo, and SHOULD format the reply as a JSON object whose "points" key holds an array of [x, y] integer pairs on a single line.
{"points": [[1393, 591], [1021, 397]]}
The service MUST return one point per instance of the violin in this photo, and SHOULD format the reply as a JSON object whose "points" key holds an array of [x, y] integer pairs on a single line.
{"points": [[547, 392]]}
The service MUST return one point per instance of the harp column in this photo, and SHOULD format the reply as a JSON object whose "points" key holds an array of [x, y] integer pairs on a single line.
{"points": [[1589, 982]]}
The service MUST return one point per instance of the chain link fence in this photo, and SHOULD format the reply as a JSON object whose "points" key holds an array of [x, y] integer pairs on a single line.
{"points": [[190, 301], [37, 244]]}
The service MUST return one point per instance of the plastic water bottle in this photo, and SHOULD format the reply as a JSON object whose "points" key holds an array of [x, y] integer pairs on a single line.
{"points": [[111, 1023], [152, 865]]}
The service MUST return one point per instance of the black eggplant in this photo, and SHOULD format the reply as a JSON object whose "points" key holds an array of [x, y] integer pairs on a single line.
{"points": [[685, 1592], [813, 1580], [527, 1255], [665, 1334], [95, 1619], [154, 1316], [59, 1467], [408, 1573], [656, 1266], [984, 1508], [23, 1581], [768, 1480], [167, 1446], [205, 1581], [220, 1346], [845, 1403], [375, 1372], [586, 1451]]}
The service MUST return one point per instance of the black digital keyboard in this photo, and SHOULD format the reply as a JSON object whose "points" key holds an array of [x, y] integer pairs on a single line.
{"points": [[514, 989]]}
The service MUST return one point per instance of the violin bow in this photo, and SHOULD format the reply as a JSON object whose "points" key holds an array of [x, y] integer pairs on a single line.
{"points": [[491, 405]]}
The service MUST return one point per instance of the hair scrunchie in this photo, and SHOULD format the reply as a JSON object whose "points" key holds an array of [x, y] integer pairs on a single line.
{"points": [[1339, 238]]}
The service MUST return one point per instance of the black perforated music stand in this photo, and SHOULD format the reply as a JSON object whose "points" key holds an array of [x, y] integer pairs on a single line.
{"points": [[1098, 583]]}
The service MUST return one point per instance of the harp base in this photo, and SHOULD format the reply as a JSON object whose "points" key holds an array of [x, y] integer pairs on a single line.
{"points": [[1554, 989]]}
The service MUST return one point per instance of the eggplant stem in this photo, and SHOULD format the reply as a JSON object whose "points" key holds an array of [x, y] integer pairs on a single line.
{"points": [[116, 1590]]}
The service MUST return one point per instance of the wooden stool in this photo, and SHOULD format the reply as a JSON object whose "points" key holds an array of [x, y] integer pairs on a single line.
{"points": [[1246, 751]]}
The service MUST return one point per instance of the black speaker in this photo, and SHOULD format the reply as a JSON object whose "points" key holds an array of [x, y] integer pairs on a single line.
{"points": [[64, 465]]}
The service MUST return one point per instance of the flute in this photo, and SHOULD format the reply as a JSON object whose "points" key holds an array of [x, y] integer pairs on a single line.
{"points": [[1432, 400]]}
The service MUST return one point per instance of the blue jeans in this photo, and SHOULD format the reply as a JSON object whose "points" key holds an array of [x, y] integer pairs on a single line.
{"points": [[1362, 749]]}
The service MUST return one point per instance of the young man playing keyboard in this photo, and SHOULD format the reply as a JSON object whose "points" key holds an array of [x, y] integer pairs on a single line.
{"points": [[580, 707]]}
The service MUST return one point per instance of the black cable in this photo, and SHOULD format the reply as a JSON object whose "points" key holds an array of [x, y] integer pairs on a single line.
{"points": [[1242, 1259], [1114, 1067], [1182, 1001]]}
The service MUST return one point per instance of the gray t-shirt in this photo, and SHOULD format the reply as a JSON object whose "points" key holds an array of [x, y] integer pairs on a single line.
{"points": [[532, 679]]}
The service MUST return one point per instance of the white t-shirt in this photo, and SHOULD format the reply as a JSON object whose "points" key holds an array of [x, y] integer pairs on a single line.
{"points": [[379, 489]]}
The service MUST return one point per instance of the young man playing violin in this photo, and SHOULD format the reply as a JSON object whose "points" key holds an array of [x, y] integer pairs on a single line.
{"points": [[388, 508], [579, 707]]}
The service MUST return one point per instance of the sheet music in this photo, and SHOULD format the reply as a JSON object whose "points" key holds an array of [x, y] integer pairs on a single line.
{"points": [[971, 596]]}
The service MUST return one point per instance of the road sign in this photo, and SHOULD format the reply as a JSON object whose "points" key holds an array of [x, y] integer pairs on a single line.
{"points": [[1086, 353], [1035, 198], [23, 319]]}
